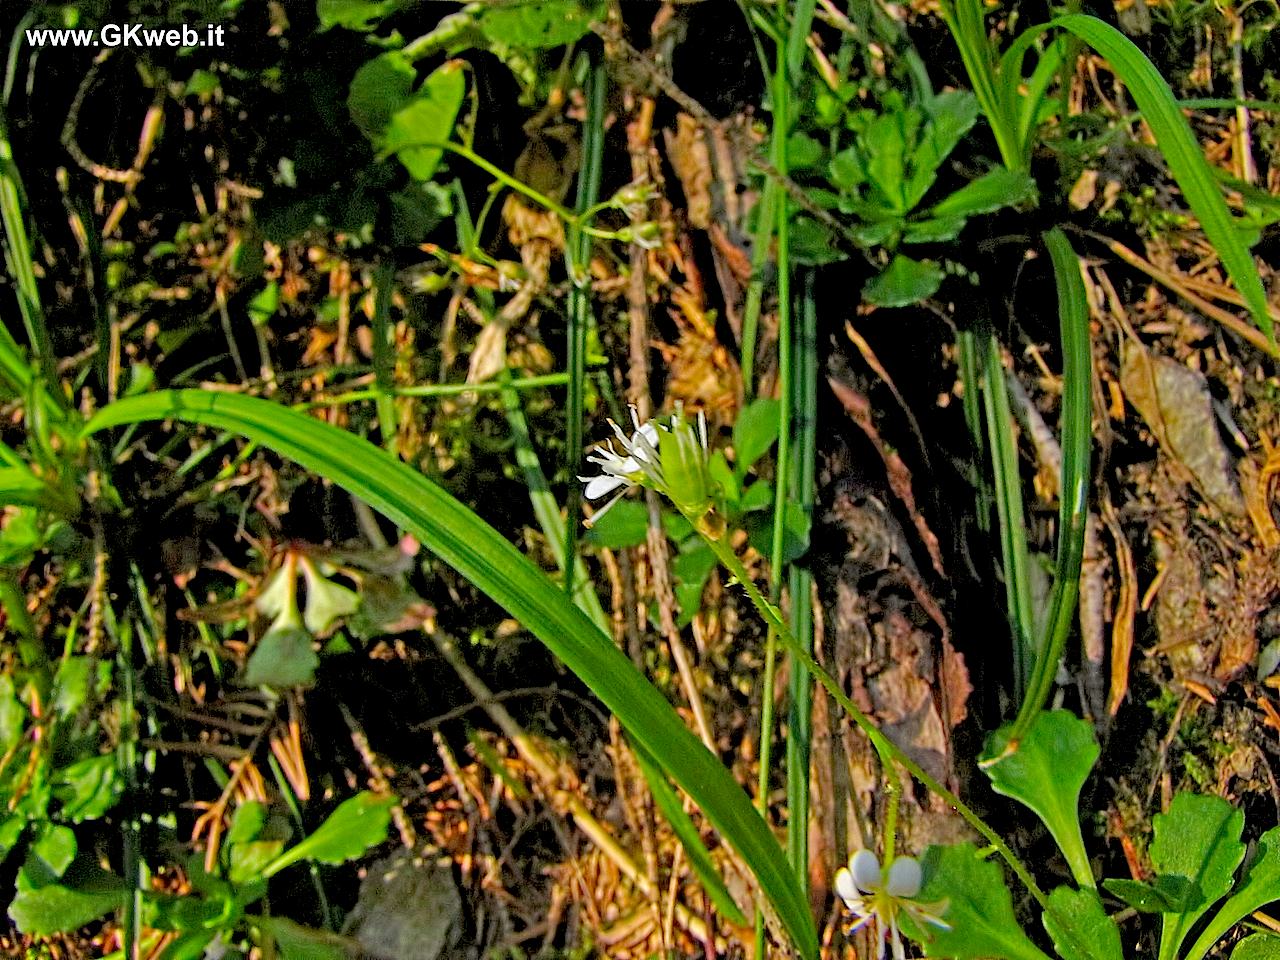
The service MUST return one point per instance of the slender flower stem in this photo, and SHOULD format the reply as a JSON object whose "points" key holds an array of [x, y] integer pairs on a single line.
{"points": [[723, 549]]}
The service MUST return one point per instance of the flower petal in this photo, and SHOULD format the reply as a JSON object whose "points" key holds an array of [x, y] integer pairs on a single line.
{"points": [[846, 889], [598, 487], [904, 878], [865, 867]]}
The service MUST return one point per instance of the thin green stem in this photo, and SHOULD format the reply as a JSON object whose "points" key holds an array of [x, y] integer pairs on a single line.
{"points": [[506, 179], [885, 747]]}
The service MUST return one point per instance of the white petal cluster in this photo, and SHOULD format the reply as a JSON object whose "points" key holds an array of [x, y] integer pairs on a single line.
{"points": [[880, 897], [637, 460]]}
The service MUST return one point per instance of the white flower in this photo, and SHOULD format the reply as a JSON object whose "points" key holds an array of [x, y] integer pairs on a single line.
{"points": [[639, 461], [871, 896]]}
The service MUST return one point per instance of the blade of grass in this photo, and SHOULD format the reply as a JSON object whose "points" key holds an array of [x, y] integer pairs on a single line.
{"points": [[578, 249], [480, 554], [971, 384], [1181, 152], [20, 263], [1009, 510], [547, 511], [1077, 437], [800, 584]]}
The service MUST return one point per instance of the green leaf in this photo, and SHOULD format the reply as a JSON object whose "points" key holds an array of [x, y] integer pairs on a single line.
{"points": [[979, 908], [72, 685], [812, 244], [1181, 152], [1080, 928], [13, 715], [249, 819], [951, 116], [358, 824], [189, 946], [55, 845], [905, 282], [249, 861], [1259, 887], [428, 117], [795, 531], [755, 431], [847, 170], [43, 906], [933, 230], [380, 87], [1164, 895], [11, 828], [358, 15], [482, 555], [1045, 772], [1199, 838], [283, 658], [88, 788], [997, 188], [625, 525], [538, 24], [1260, 946], [297, 942], [326, 601], [264, 304]]}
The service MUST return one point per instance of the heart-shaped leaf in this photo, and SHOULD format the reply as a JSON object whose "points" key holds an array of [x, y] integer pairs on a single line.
{"points": [[904, 282]]}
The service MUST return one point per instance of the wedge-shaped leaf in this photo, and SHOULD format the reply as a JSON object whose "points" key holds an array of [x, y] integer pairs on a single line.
{"points": [[1045, 772], [668, 802], [904, 282], [358, 824], [482, 555], [1080, 928], [1163, 895], [979, 908], [996, 188], [427, 118], [1260, 946], [1259, 887], [283, 658], [1199, 838], [1181, 152]]}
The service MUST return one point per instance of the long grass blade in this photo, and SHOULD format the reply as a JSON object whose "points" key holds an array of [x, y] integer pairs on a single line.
{"points": [[800, 582], [579, 252], [1077, 437], [1009, 510], [1181, 152], [482, 555]]}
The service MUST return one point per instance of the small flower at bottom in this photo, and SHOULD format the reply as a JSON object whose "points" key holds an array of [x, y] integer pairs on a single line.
{"points": [[883, 897]]}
